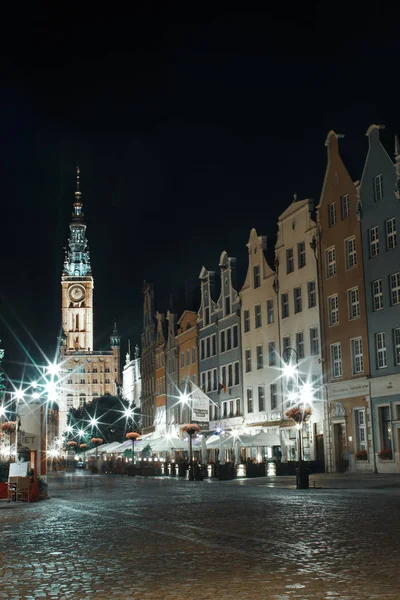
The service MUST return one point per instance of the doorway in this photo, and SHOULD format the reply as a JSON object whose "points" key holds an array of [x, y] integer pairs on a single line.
{"points": [[319, 451], [339, 435]]}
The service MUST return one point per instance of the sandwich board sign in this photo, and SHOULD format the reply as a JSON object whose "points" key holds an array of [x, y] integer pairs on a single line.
{"points": [[19, 469]]}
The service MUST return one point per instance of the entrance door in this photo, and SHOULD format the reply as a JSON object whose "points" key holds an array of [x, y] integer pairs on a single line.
{"points": [[319, 451], [339, 434]]}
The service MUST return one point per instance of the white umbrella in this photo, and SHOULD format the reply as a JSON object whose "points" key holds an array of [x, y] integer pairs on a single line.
{"points": [[167, 444]]}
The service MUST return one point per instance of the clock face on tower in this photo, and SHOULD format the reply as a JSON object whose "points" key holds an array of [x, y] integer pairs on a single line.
{"points": [[76, 293]]}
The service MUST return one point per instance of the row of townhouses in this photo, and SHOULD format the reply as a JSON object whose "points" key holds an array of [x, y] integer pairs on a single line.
{"points": [[332, 297]]}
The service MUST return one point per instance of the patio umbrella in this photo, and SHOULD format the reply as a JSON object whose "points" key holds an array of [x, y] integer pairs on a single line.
{"points": [[167, 444]]}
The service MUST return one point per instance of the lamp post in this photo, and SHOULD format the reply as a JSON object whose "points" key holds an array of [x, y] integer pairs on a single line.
{"points": [[191, 429], [298, 414]]}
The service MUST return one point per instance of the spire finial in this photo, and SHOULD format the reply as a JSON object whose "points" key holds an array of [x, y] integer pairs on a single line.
{"points": [[78, 192], [294, 197]]}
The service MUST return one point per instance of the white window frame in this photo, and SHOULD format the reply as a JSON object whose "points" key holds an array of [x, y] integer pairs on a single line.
{"points": [[257, 316], [300, 344], [289, 261], [297, 300], [312, 294], [373, 238], [378, 187], [396, 345], [256, 276], [286, 294], [345, 205], [381, 350], [271, 353], [301, 254], [391, 234], [246, 320], [332, 214], [353, 298], [336, 360], [273, 391], [360, 424], [395, 288], [314, 339], [259, 354], [247, 360], [330, 262], [357, 359], [377, 294], [333, 310], [270, 311], [350, 252]]}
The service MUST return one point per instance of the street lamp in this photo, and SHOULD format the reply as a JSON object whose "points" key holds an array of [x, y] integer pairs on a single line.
{"points": [[301, 394], [185, 399], [18, 395]]}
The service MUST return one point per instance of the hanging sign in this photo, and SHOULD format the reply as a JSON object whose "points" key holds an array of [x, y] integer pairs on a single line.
{"points": [[200, 405]]}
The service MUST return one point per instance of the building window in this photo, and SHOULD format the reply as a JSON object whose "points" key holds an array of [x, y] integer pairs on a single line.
{"points": [[94, 370], [354, 303], [333, 310], [285, 305], [301, 254], [270, 311], [395, 288], [373, 236], [316, 386], [225, 409], [236, 370], [289, 260], [261, 398], [351, 255], [207, 316], [260, 358], [391, 235], [396, 343], [238, 412], [223, 375], [377, 294], [222, 340], [246, 320], [336, 360], [381, 355], [297, 299], [286, 342], [187, 358], [256, 276], [227, 305], [357, 361], [271, 354], [378, 187], [314, 341], [235, 336], [213, 345], [361, 430], [82, 381], [194, 379], [183, 355], [330, 255], [70, 381], [385, 427], [300, 344], [230, 375], [208, 347], [249, 400], [193, 354], [248, 360], [312, 294], [257, 316], [345, 202], [209, 381], [107, 369], [107, 381], [229, 339], [332, 214], [274, 395]]}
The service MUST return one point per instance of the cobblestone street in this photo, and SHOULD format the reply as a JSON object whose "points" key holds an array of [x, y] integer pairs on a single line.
{"points": [[125, 538]]}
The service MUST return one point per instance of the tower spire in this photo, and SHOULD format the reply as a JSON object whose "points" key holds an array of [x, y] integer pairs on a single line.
{"points": [[78, 191]]}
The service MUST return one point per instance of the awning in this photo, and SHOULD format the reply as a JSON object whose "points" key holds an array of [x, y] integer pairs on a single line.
{"points": [[168, 444]]}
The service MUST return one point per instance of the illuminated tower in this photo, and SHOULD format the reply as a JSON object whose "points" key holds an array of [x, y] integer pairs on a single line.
{"points": [[77, 283]]}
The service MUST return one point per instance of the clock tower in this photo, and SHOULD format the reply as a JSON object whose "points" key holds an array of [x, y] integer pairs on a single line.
{"points": [[77, 283]]}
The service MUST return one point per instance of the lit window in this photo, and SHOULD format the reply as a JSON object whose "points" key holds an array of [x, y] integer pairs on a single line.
{"points": [[345, 206], [351, 255], [361, 430], [330, 262], [381, 354], [378, 187], [289, 260], [354, 303], [391, 235], [333, 310], [357, 360], [373, 235], [336, 360]]}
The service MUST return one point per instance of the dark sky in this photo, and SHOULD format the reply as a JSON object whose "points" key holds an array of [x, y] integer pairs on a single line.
{"points": [[189, 130]]}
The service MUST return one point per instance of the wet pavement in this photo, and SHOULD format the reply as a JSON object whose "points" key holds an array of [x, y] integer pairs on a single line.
{"points": [[122, 538]]}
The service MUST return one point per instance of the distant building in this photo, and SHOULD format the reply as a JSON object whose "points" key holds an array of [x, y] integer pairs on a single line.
{"points": [[148, 363], [345, 353], [160, 420], [220, 360], [171, 367], [132, 379], [188, 368], [85, 372], [380, 218]]}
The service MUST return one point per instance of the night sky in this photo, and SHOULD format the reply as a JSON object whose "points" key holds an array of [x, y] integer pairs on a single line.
{"points": [[197, 129]]}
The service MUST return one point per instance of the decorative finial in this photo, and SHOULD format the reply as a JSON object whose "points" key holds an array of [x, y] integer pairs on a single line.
{"points": [[294, 197], [78, 192]]}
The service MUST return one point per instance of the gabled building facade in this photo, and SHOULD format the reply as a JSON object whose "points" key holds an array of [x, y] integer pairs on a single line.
{"points": [[160, 420], [132, 379], [188, 367], [299, 328], [345, 356], [220, 347], [260, 344], [171, 366], [380, 219], [148, 363]]}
